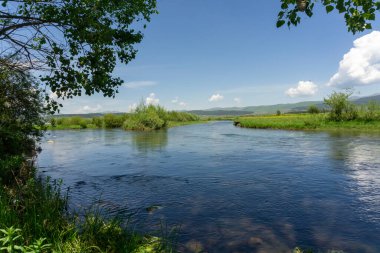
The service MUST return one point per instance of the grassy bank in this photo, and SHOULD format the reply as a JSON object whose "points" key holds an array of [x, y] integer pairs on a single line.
{"points": [[145, 118], [34, 218], [306, 122]]}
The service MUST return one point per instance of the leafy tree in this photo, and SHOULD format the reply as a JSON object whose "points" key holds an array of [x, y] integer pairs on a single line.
{"points": [[74, 44], [313, 109], [341, 107], [358, 13], [21, 111]]}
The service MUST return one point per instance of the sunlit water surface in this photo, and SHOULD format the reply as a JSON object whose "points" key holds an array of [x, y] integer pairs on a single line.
{"points": [[229, 189]]}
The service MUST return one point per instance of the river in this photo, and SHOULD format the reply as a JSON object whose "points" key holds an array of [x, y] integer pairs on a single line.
{"points": [[228, 189]]}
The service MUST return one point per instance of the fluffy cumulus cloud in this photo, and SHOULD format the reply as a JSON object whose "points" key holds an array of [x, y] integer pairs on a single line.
{"points": [[176, 101], [152, 99], [303, 89], [90, 109], [139, 84], [216, 97], [361, 65]]}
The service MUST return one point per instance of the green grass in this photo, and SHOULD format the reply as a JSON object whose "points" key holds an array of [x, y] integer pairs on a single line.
{"points": [[145, 118], [34, 218], [306, 122]]}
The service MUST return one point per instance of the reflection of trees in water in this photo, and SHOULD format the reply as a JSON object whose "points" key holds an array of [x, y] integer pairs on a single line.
{"points": [[343, 145], [152, 140], [361, 156]]}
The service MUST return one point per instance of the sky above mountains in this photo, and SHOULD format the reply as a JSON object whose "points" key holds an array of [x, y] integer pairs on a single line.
{"points": [[200, 54]]}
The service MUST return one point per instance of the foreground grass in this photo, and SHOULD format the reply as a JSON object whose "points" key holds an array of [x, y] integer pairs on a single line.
{"points": [[34, 218], [305, 122]]}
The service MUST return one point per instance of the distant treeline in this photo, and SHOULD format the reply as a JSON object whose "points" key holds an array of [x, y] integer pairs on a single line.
{"points": [[145, 117]]}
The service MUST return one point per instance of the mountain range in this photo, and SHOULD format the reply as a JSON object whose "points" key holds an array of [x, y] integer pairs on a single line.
{"points": [[271, 109]]}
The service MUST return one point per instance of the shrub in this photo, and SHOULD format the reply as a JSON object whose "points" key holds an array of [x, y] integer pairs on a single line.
{"points": [[154, 117], [341, 107], [146, 118], [181, 116], [53, 122], [313, 109], [113, 121], [371, 111], [97, 121]]}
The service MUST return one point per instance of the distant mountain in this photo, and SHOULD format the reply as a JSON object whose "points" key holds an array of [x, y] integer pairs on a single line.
{"points": [[365, 100], [271, 109], [261, 109], [219, 112]]}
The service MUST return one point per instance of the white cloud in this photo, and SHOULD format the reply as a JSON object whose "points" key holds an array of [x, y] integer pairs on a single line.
{"points": [[132, 107], [237, 100], [89, 109], [152, 100], [178, 102], [361, 65], [139, 84], [303, 89], [216, 97]]}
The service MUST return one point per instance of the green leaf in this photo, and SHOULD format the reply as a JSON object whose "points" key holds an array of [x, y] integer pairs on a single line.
{"points": [[280, 23], [329, 8]]}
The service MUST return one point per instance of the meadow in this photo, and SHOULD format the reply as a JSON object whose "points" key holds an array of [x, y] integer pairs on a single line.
{"points": [[342, 115]]}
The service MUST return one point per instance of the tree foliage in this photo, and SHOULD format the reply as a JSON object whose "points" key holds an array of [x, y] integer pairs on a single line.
{"points": [[341, 107], [21, 111], [358, 14], [74, 44]]}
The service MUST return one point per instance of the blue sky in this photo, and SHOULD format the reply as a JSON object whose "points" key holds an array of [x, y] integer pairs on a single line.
{"points": [[201, 54]]}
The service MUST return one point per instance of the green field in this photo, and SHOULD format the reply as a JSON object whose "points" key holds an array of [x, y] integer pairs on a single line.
{"points": [[306, 122]]}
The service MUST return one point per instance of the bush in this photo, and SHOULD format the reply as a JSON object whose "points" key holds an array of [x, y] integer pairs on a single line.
{"points": [[371, 111], [313, 109], [113, 121], [97, 121], [146, 118], [341, 107], [154, 117], [53, 122], [181, 116]]}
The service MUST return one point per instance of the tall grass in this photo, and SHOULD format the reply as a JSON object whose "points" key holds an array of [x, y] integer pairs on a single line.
{"points": [[309, 122], [154, 117], [34, 218], [145, 117]]}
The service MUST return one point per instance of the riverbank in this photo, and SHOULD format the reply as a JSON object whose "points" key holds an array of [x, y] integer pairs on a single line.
{"points": [[144, 118], [34, 218], [92, 126], [306, 122]]}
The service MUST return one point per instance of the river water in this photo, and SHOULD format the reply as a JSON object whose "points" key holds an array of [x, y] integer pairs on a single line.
{"points": [[228, 189]]}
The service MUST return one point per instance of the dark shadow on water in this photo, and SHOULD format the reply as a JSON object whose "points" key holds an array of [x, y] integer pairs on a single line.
{"points": [[150, 141]]}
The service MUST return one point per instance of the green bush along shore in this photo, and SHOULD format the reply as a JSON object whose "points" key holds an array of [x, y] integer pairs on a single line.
{"points": [[144, 118]]}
